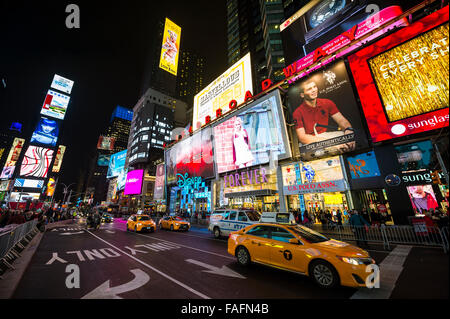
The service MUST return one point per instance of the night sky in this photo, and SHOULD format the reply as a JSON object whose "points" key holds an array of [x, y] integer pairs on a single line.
{"points": [[105, 58]]}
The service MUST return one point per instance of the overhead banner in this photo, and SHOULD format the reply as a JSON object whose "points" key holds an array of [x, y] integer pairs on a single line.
{"points": [[58, 159], [325, 114], [12, 158], [231, 85], [36, 162], [402, 79], [313, 188], [55, 105], [170, 50], [62, 84]]}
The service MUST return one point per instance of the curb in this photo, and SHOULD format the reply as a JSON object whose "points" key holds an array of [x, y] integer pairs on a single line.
{"points": [[12, 278]]}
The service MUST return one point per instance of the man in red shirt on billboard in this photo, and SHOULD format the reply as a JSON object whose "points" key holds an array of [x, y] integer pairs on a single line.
{"points": [[313, 114]]}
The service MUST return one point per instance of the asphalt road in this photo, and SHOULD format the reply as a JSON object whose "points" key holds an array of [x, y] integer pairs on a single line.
{"points": [[114, 263]]}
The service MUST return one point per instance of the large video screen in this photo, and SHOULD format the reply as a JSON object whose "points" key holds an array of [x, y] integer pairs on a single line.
{"points": [[116, 164], [62, 84], [55, 105], [255, 135], [46, 132], [13, 157], [423, 198], [58, 159], [133, 185], [103, 160], [325, 113], [231, 85], [36, 162], [192, 156], [170, 49], [402, 79], [106, 143], [28, 183]]}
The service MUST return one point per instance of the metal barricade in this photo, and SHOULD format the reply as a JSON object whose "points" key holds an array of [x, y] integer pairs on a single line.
{"points": [[12, 237], [387, 235]]}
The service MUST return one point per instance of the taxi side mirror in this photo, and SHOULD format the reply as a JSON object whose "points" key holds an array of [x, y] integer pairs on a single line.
{"points": [[294, 241]]}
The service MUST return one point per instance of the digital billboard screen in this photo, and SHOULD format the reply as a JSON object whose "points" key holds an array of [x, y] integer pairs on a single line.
{"points": [[133, 185], [116, 164], [325, 113], [36, 162], [62, 84], [192, 156], [103, 160], [159, 182], [403, 79], [13, 157], [46, 132], [170, 49], [55, 105], [253, 136], [363, 165], [423, 198], [28, 183], [58, 159], [51, 186], [231, 85], [106, 143]]}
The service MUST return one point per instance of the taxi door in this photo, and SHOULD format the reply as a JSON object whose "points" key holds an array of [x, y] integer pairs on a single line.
{"points": [[284, 254], [257, 243], [131, 222]]}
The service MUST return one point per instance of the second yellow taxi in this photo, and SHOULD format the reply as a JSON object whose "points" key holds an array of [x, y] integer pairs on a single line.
{"points": [[174, 223], [301, 250], [140, 223]]}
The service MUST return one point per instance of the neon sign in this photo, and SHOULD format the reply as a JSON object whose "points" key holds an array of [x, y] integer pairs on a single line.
{"points": [[189, 183]]}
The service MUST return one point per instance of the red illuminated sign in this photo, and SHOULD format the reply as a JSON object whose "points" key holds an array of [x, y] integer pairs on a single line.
{"points": [[402, 79]]}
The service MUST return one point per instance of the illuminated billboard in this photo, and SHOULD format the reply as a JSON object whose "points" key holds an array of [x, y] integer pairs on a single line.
{"points": [[159, 182], [51, 186], [58, 159], [29, 183], [12, 158], [36, 162], [116, 164], [253, 136], [231, 85], [55, 105], [325, 113], [106, 143], [133, 185], [192, 156], [46, 132], [103, 160], [170, 50], [5, 186], [23, 197], [403, 79], [62, 84]]}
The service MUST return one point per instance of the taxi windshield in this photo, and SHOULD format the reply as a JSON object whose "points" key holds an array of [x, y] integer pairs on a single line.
{"points": [[179, 218], [143, 218], [308, 234], [253, 215]]}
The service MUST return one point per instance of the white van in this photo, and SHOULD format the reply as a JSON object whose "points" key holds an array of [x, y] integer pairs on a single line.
{"points": [[224, 221]]}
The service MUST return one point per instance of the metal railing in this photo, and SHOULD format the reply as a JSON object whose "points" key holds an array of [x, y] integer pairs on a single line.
{"points": [[12, 237], [387, 235]]}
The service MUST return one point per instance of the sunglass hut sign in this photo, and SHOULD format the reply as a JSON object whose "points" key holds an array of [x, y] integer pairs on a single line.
{"points": [[246, 178]]}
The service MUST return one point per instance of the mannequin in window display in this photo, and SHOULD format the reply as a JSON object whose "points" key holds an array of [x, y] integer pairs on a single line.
{"points": [[242, 154]]}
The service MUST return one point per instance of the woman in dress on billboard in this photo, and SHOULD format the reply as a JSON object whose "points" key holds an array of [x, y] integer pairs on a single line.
{"points": [[242, 154]]}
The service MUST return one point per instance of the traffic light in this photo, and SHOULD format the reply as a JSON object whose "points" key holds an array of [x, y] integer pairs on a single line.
{"points": [[435, 177]]}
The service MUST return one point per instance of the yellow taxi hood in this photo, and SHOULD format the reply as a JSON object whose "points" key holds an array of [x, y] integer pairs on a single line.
{"points": [[342, 249]]}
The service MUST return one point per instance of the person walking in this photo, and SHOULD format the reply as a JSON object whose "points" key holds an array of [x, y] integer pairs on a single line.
{"points": [[359, 224], [339, 217]]}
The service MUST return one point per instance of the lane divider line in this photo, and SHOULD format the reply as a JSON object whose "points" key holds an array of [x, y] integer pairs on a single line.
{"points": [[154, 269]]}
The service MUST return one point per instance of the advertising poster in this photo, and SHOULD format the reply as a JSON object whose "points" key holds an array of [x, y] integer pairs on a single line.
{"points": [[193, 155], [159, 182], [403, 79], [55, 105], [133, 185], [7, 172], [363, 166], [116, 164], [62, 84], [58, 159], [28, 183], [23, 197], [231, 85], [254, 136], [46, 132], [325, 114], [4, 186], [36, 162], [416, 156], [13, 157], [51, 186], [122, 179], [106, 143], [103, 160], [170, 50], [423, 198]]}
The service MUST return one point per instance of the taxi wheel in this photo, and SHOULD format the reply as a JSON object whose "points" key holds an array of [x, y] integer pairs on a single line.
{"points": [[243, 257], [324, 274]]}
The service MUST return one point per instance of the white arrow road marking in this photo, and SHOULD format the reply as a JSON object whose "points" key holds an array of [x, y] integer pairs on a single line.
{"points": [[65, 234], [105, 291], [110, 231], [224, 271]]}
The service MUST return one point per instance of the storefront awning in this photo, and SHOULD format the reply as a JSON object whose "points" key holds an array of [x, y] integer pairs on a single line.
{"points": [[258, 193]]}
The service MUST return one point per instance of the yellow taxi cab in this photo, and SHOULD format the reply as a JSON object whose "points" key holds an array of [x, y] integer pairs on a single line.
{"points": [[298, 249], [139, 223], [174, 223]]}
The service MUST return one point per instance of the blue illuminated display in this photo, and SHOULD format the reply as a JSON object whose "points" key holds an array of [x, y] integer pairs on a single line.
{"points": [[122, 113]]}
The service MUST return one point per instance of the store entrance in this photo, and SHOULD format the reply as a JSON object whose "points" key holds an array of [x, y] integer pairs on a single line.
{"points": [[376, 204], [258, 203]]}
